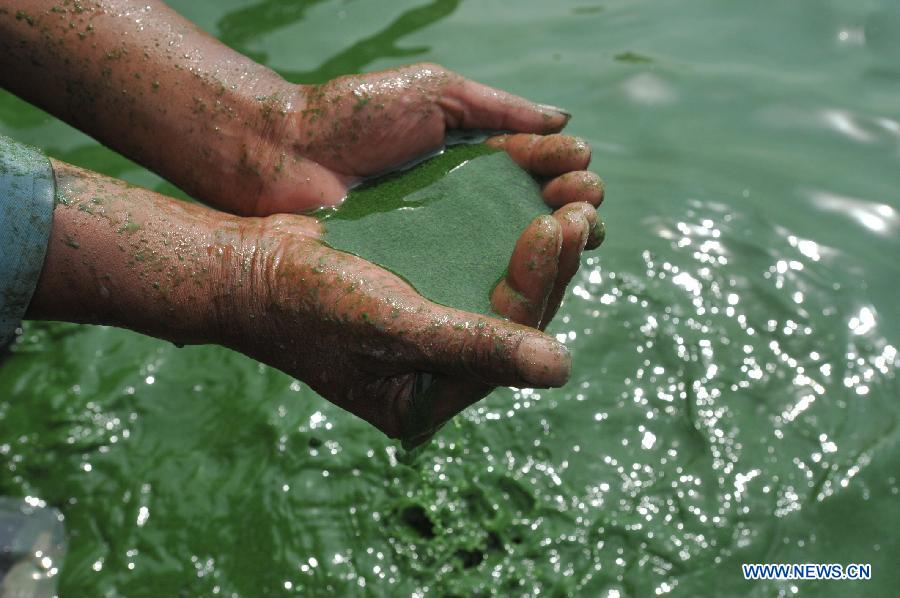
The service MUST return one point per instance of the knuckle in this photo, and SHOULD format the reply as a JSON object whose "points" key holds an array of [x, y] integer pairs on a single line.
{"points": [[429, 66], [486, 350], [430, 70]]}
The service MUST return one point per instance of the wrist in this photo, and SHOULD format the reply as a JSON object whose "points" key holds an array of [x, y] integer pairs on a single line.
{"points": [[254, 148], [236, 298], [124, 256], [254, 264]]}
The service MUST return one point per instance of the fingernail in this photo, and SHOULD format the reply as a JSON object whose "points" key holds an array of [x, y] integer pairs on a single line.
{"points": [[597, 235], [556, 109], [542, 362]]}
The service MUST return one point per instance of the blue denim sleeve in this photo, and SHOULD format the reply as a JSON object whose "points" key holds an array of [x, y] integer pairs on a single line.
{"points": [[26, 215]]}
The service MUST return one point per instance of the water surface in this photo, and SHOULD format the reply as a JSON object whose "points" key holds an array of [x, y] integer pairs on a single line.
{"points": [[734, 397]]}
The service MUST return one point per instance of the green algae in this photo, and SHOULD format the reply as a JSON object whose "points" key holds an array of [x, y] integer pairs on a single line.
{"points": [[448, 226], [633, 57], [550, 493]]}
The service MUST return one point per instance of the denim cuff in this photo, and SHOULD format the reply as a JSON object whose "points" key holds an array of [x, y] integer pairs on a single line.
{"points": [[27, 194]]}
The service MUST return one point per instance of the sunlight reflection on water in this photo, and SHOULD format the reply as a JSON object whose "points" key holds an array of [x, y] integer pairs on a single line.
{"points": [[734, 395]]}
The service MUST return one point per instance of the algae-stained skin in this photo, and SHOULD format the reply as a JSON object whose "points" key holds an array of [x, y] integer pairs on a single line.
{"points": [[448, 226]]}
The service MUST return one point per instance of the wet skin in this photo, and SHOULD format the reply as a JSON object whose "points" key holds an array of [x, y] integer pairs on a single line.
{"points": [[231, 132], [267, 287]]}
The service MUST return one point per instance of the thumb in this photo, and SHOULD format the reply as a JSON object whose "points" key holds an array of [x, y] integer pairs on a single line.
{"points": [[472, 366], [493, 351]]}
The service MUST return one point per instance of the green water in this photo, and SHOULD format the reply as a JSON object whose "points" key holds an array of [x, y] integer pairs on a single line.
{"points": [[436, 225], [734, 395]]}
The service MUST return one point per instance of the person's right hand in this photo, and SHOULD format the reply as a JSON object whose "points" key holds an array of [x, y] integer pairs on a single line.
{"points": [[362, 338], [268, 287], [146, 82]]}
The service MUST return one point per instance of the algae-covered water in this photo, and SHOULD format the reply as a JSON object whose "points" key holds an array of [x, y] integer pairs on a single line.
{"points": [[734, 395]]}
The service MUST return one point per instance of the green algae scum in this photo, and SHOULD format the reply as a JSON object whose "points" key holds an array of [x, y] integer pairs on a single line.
{"points": [[734, 394], [447, 227]]}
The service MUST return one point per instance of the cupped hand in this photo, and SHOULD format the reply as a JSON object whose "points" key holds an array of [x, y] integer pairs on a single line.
{"points": [[359, 335], [352, 127], [365, 340]]}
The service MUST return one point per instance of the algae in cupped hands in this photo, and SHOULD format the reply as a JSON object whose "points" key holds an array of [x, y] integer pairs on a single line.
{"points": [[448, 226]]}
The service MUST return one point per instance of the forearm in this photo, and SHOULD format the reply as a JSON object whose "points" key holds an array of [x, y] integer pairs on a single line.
{"points": [[125, 256], [149, 83]]}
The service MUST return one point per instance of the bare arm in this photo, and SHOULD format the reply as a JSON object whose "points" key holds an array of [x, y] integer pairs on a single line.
{"points": [[148, 83], [124, 256], [268, 287]]}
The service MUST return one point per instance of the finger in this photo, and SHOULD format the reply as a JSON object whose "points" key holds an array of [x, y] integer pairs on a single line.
{"points": [[571, 187], [597, 234], [301, 186], [423, 336], [490, 350], [545, 155], [522, 294], [471, 105], [575, 221]]}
